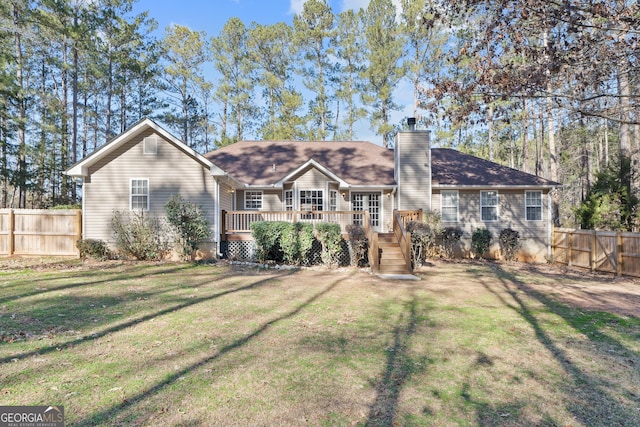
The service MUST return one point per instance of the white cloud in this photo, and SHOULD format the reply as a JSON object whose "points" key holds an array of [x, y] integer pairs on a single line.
{"points": [[296, 6]]}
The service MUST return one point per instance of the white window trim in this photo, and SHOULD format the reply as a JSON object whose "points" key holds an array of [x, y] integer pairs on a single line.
{"points": [[293, 199], [145, 150], [324, 198], [244, 196], [131, 208], [457, 193], [497, 205], [333, 193], [541, 206], [381, 205]]}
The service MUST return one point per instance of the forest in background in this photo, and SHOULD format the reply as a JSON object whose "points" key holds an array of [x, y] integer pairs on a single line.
{"points": [[549, 87]]}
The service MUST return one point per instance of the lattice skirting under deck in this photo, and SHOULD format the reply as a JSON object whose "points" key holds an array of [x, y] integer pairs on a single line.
{"points": [[245, 250]]}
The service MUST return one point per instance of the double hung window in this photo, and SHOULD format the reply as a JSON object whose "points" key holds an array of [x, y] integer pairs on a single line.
{"points": [[253, 200], [139, 196], [449, 206], [489, 205], [533, 205]]}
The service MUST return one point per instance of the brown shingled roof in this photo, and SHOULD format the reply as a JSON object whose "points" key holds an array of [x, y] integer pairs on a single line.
{"points": [[357, 163], [451, 167]]}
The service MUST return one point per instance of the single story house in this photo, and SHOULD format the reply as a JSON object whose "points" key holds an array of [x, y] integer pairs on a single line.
{"points": [[313, 181]]}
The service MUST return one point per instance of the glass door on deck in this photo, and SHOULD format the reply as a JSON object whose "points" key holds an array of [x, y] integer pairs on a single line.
{"points": [[367, 202]]}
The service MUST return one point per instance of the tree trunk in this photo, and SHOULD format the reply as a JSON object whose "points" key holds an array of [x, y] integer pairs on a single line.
{"points": [[490, 124], [74, 114], [107, 126], [64, 128], [3, 156], [22, 113], [525, 136]]}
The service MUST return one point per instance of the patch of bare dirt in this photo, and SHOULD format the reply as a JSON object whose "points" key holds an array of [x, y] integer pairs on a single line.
{"points": [[581, 288]]}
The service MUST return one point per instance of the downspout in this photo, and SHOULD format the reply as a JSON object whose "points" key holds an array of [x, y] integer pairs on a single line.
{"points": [[216, 217], [393, 198], [84, 217], [430, 176], [549, 226]]}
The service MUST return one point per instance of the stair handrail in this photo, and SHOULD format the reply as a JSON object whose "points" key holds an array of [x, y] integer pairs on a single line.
{"points": [[403, 237], [372, 238]]}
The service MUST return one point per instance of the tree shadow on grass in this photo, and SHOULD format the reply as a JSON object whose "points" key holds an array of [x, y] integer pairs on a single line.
{"points": [[100, 278], [399, 368], [132, 322], [113, 412], [592, 405]]}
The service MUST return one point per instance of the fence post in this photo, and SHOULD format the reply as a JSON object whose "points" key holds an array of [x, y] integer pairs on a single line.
{"points": [[594, 251], [78, 228], [10, 236], [619, 247], [551, 251], [569, 244]]}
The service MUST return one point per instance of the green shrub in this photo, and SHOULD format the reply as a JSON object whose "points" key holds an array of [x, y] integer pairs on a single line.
{"points": [[94, 249], [359, 243], [67, 207], [480, 241], [450, 239], [296, 242], [509, 241], [189, 221], [434, 221], [140, 235], [423, 237], [330, 237], [268, 237]]}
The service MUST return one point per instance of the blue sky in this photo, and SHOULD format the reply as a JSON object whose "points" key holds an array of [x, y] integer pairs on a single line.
{"points": [[211, 15]]}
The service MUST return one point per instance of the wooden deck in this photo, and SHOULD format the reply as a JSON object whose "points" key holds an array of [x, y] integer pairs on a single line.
{"points": [[397, 244], [237, 224]]}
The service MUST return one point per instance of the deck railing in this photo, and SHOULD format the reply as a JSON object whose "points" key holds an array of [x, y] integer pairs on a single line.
{"points": [[408, 216], [402, 236], [240, 221]]}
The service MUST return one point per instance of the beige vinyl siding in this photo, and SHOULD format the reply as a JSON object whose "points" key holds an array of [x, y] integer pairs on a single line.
{"points": [[311, 179], [272, 200], [239, 200], [226, 197], [413, 170], [170, 171], [511, 211]]}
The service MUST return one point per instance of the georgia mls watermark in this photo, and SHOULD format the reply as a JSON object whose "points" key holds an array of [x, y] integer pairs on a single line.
{"points": [[31, 416]]}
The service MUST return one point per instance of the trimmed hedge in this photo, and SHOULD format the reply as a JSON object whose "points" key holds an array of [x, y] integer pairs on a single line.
{"points": [[94, 249], [450, 239], [268, 235], [509, 240], [480, 241], [296, 243], [330, 237], [293, 242]]}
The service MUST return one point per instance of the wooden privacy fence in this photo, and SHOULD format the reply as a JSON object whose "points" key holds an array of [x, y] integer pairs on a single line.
{"points": [[606, 251], [40, 231]]}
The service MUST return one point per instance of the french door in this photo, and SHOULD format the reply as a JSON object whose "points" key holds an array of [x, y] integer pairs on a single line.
{"points": [[367, 202]]}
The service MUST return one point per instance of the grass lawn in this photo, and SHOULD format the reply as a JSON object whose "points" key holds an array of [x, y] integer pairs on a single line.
{"points": [[186, 345]]}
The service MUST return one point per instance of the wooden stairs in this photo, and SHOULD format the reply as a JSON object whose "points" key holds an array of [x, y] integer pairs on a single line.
{"points": [[391, 260]]}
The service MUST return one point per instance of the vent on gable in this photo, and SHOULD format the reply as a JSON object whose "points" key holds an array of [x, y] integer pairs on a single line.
{"points": [[150, 145]]}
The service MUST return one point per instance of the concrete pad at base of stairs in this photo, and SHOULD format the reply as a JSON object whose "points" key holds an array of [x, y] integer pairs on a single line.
{"points": [[398, 276]]}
